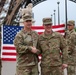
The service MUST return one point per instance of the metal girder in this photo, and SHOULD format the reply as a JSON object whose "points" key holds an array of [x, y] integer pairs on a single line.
{"points": [[14, 7], [2, 2], [35, 2], [13, 10], [73, 1]]}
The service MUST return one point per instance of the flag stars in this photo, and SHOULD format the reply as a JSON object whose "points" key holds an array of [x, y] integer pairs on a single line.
{"points": [[9, 33], [8, 40]]}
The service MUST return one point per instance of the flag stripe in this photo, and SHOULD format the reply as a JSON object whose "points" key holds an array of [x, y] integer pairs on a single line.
{"points": [[9, 51], [9, 56], [42, 30], [61, 31], [12, 54], [9, 48], [54, 27], [9, 59]]}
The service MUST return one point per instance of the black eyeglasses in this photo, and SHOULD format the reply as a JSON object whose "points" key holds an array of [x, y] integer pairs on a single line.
{"points": [[28, 21]]}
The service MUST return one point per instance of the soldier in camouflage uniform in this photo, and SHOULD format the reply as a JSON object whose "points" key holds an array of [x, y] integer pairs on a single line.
{"points": [[0, 65], [27, 53], [71, 42], [0, 54], [50, 43]]}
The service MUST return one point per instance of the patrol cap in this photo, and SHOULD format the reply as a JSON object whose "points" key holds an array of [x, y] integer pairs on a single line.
{"points": [[47, 21], [27, 17], [71, 22]]}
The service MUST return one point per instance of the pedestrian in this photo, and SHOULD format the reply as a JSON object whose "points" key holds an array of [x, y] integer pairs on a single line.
{"points": [[71, 43], [50, 43], [27, 53]]}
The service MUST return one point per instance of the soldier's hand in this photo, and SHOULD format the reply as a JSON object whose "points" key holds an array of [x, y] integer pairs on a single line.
{"points": [[34, 50], [64, 66]]}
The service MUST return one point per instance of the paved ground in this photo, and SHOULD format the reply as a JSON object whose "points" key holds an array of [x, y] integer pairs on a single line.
{"points": [[9, 68]]}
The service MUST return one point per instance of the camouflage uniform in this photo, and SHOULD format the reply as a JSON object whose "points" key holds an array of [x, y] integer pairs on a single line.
{"points": [[0, 54], [71, 42], [27, 62], [50, 46], [0, 66]]}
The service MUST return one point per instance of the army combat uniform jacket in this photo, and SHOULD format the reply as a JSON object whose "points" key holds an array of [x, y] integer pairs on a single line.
{"points": [[23, 42], [0, 41], [71, 41], [0, 54], [50, 46]]}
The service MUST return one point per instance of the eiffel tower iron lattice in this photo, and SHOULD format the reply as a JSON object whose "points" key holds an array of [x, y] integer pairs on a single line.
{"points": [[12, 16]]}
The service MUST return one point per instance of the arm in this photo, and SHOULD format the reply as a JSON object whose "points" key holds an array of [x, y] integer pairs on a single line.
{"points": [[39, 48], [63, 46], [72, 43], [19, 44]]}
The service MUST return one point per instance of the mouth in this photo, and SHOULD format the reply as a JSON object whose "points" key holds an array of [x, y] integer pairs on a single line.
{"points": [[29, 25]]}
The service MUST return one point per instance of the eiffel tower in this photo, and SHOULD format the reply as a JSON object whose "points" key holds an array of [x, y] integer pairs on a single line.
{"points": [[12, 17]]}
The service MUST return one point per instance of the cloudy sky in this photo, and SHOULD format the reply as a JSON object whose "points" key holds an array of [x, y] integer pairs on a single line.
{"points": [[46, 9]]}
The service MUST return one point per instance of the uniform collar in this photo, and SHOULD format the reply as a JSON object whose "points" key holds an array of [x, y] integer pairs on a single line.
{"points": [[27, 32], [48, 35], [72, 31]]}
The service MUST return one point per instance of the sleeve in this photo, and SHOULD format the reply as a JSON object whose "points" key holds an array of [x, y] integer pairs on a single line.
{"points": [[63, 46], [73, 39], [39, 47], [19, 44], [72, 43], [0, 63]]}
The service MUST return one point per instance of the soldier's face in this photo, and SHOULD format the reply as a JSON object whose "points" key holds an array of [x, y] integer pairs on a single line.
{"points": [[28, 24], [48, 27], [70, 27]]}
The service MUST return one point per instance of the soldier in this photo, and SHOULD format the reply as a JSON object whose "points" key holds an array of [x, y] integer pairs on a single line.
{"points": [[0, 65], [50, 43], [71, 42], [0, 54], [27, 53]]}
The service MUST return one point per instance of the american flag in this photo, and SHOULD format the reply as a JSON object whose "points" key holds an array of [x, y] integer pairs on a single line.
{"points": [[8, 52]]}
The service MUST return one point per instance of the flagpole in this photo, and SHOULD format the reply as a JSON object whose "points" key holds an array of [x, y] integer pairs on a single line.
{"points": [[1, 39]]}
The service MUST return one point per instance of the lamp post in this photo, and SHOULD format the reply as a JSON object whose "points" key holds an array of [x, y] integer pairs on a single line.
{"points": [[54, 17], [66, 13], [51, 16], [58, 13]]}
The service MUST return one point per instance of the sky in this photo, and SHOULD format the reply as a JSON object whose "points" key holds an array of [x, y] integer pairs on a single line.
{"points": [[46, 9]]}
